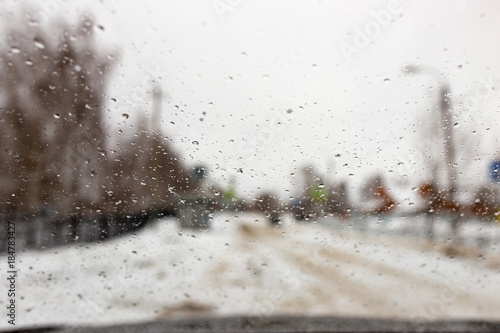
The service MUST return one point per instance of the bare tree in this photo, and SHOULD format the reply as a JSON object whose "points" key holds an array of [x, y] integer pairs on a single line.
{"points": [[53, 138], [53, 142]]}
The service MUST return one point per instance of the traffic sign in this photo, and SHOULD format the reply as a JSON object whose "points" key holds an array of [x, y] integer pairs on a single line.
{"points": [[495, 171]]}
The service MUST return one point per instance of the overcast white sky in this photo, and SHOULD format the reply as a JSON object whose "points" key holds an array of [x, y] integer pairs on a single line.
{"points": [[238, 61]]}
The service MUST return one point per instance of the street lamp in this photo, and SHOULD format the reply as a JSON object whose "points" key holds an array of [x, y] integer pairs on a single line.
{"points": [[447, 124]]}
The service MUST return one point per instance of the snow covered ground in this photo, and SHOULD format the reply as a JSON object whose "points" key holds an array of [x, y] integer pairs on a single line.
{"points": [[244, 266]]}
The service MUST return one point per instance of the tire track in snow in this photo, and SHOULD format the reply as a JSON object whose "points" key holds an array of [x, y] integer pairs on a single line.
{"points": [[368, 296], [340, 288]]}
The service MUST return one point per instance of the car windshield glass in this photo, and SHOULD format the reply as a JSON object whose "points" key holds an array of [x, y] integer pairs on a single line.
{"points": [[177, 160]]}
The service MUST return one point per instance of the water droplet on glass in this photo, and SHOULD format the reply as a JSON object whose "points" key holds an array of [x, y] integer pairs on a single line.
{"points": [[39, 44], [33, 22], [28, 62], [387, 80], [125, 115], [78, 68], [56, 115], [15, 50], [196, 143]]}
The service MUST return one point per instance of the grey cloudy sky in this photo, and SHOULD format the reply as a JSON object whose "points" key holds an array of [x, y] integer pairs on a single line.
{"points": [[239, 64]]}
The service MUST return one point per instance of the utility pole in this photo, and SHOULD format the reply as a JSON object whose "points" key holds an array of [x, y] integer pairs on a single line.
{"points": [[448, 134], [157, 106]]}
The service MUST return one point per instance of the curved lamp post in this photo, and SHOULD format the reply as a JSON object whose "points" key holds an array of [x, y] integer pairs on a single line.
{"points": [[447, 124]]}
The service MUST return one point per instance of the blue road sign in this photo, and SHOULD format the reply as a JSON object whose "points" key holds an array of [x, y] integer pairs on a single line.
{"points": [[495, 171]]}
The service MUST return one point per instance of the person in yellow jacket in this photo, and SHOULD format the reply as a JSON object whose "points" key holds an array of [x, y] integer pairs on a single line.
{"points": [[318, 193]]}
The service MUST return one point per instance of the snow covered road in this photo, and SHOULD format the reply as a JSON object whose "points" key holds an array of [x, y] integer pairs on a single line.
{"points": [[244, 266]]}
